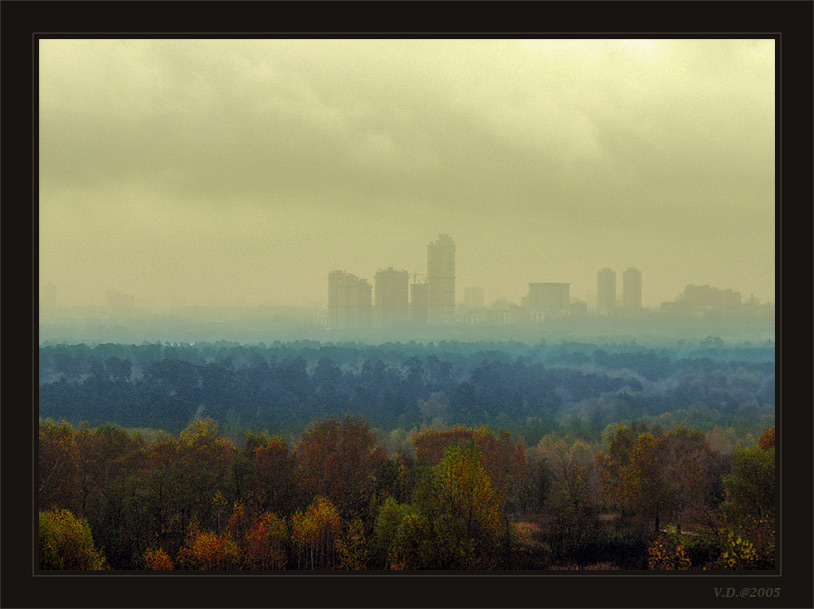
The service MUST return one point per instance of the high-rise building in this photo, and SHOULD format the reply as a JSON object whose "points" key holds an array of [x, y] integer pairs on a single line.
{"points": [[632, 290], [419, 303], [350, 302], [391, 297], [550, 299], [441, 279], [606, 292], [473, 298]]}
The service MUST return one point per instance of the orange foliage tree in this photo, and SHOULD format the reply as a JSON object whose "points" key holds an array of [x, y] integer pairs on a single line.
{"points": [[157, 560], [265, 543], [338, 459], [208, 551]]}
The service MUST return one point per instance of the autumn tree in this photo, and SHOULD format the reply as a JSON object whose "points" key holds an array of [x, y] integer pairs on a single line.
{"points": [[107, 455], [749, 507], [111, 461], [766, 440], [571, 501], [274, 487], [208, 551], [668, 553], [572, 472], [503, 459], [204, 459], [657, 475], [352, 547], [691, 469], [314, 534], [165, 501], [266, 542], [156, 559], [66, 543], [58, 466], [338, 459]]}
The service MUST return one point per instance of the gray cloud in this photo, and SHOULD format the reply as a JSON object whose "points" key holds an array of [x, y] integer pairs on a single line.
{"points": [[173, 163]]}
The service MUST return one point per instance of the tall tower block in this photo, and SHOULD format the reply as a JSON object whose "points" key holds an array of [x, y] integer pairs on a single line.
{"points": [[349, 300], [391, 297], [441, 280], [606, 292]]}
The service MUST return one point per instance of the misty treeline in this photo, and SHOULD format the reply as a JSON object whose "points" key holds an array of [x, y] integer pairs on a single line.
{"points": [[461, 498], [530, 390]]}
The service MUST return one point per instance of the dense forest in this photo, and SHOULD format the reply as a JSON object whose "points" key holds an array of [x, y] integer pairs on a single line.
{"points": [[462, 499], [529, 390], [312, 456]]}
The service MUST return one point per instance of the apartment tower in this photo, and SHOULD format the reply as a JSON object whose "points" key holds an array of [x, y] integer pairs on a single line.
{"points": [[391, 297], [606, 292], [349, 300], [441, 280]]}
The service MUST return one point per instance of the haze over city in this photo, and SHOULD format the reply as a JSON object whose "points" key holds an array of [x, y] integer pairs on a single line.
{"points": [[241, 172]]}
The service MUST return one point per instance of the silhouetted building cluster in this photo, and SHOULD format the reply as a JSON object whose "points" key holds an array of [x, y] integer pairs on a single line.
{"points": [[349, 300], [548, 300], [708, 301], [429, 299], [395, 301]]}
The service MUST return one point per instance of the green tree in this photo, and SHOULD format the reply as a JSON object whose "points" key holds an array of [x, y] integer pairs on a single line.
{"points": [[749, 508], [750, 487], [458, 522], [389, 517]]}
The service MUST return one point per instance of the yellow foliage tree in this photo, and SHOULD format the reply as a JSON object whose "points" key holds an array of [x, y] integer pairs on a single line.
{"points": [[66, 543], [667, 553], [208, 551], [315, 533]]}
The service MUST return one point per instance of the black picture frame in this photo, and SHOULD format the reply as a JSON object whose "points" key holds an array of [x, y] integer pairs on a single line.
{"points": [[790, 21]]}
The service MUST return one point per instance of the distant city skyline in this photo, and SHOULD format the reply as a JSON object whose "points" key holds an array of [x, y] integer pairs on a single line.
{"points": [[241, 172]]}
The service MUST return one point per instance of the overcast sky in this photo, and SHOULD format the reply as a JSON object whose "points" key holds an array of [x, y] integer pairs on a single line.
{"points": [[243, 171]]}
